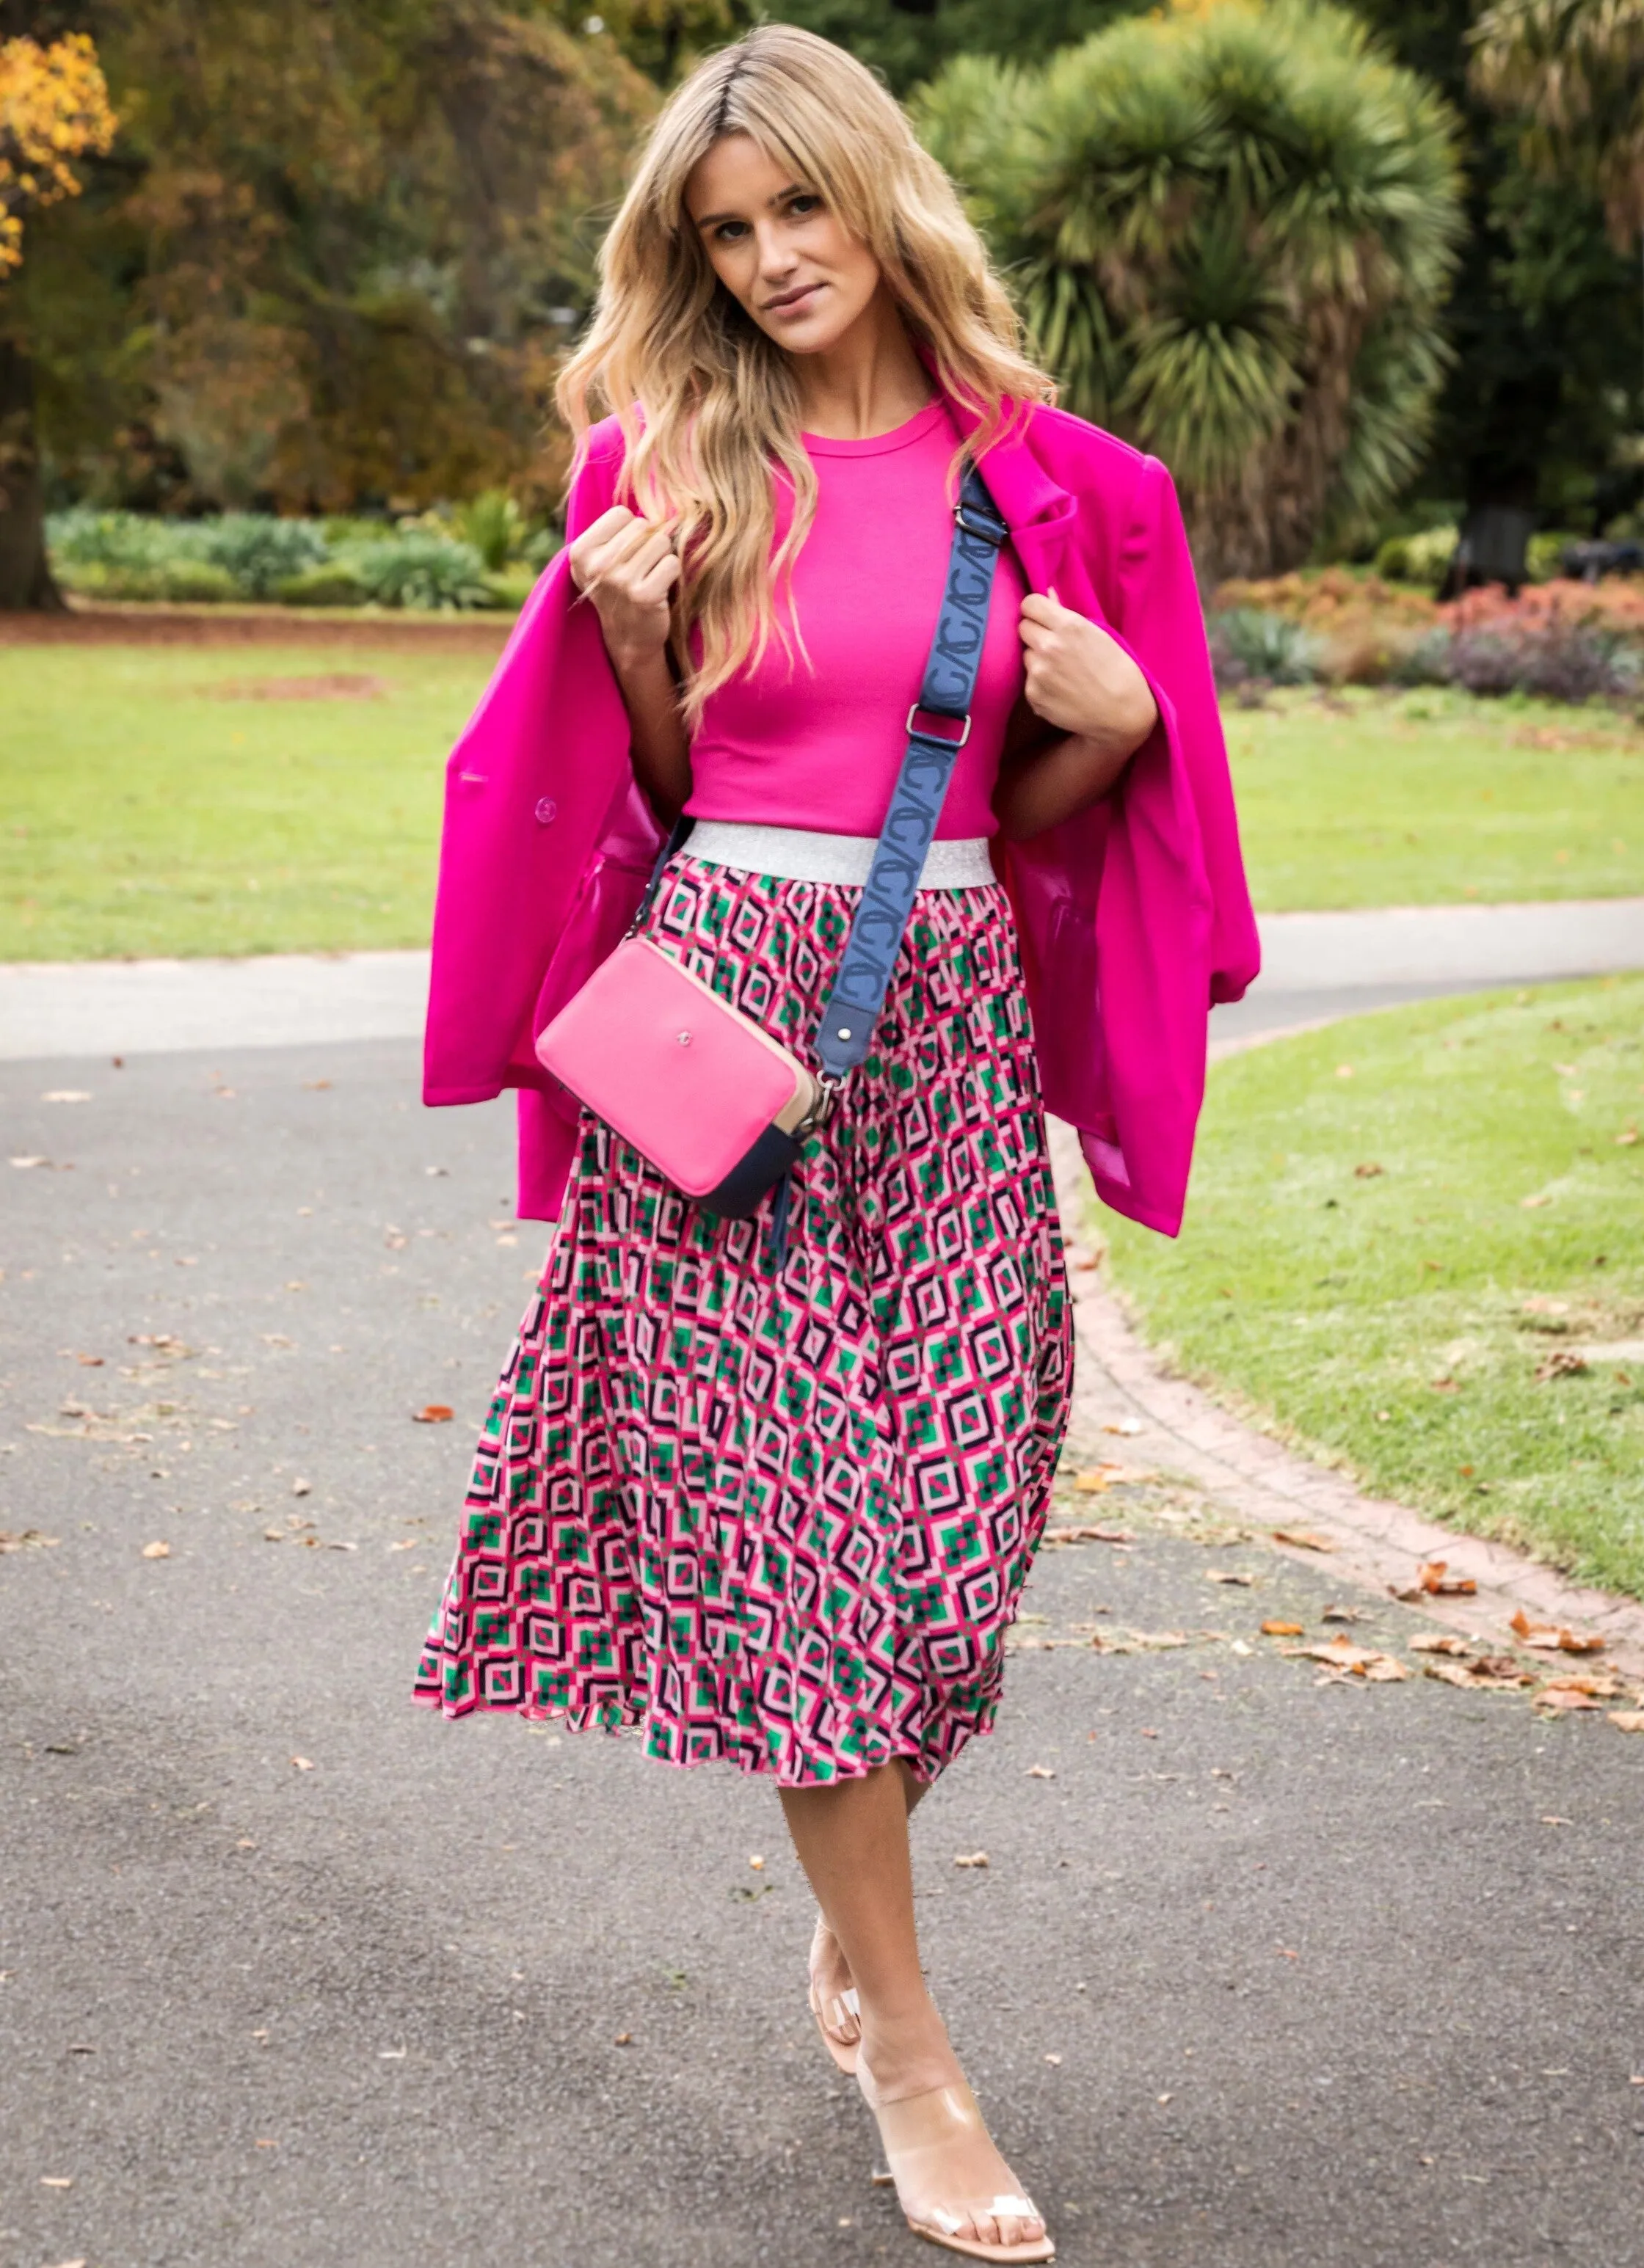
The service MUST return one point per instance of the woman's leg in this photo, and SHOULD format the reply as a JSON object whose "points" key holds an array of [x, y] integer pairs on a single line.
{"points": [[852, 1842], [830, 1972]]}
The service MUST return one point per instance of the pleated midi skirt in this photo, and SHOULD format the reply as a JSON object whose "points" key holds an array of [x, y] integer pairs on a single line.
{"points": [[783, 1521]]}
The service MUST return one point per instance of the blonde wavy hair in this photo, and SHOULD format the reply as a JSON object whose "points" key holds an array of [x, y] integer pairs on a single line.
{"points": [[708, 405]]}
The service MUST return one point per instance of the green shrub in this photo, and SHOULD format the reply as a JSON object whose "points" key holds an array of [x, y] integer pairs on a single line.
{"points": [[420, 569], [511, 590], [178, 582], [494, 524], [1544, 555], [1392, 560], [332, 584], [260, 551], [120, 540], [1247, 643]]}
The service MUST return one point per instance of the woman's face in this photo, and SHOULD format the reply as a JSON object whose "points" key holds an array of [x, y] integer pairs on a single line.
{"points": [[776, 248]]}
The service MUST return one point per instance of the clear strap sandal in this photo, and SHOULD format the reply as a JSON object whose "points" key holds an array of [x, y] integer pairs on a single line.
{"points": [[920, 2135], [834, 2014]]}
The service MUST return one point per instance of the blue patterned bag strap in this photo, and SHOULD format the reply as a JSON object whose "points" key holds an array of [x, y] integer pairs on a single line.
{"points": [[950, 676]]}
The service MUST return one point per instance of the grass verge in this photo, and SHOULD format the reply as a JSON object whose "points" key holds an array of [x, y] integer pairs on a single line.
{"points": [[170, 799], [1396, 1225], [1377, 799], [150, 802]]}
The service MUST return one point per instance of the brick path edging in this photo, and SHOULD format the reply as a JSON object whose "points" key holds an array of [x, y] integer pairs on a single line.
{"points": [[1259, 1481]]}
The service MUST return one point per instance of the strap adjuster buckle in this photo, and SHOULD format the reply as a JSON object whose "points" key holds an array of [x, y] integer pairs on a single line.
{"points": [[911, 729], [991, 531]]}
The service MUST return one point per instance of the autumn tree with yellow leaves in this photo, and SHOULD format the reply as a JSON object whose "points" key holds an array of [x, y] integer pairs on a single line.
{"points": [[54, 109]]}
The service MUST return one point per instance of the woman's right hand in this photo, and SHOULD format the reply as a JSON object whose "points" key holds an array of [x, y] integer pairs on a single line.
{"points": [[628, 566]]}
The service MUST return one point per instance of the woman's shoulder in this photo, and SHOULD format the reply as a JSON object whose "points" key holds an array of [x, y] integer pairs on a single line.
{"points": [[1081, 456]]}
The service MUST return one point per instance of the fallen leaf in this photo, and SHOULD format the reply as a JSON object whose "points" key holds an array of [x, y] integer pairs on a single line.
{"points": [[1341, 1654], [623, 2040], [1472, 1678], [1530, 1203], [1040, 1771], [1552, 1637], [56, 2181], [1565, 1697], [1228, 1575], [1432, 1578], [1368, 1172], [1628, 1720], [1343, 1614], [408, 1543], [1053, 2058], [1430, 1642], [24, 1164], [1562, 1362], [1099, 1478], [302, 1488], [1159, 1640], [28, 1539], [302, 1763], [1080, 1534], [1284, 1629], [755, 1862], [1303, 1539], [65, 1095], [1129, 1425], [433, 1413], [157, 1551], [973, 1859], [1625, 1141]]}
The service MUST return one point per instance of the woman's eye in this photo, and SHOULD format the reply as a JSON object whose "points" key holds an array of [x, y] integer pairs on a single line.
{"points": [[729, 231], [800, 207]]}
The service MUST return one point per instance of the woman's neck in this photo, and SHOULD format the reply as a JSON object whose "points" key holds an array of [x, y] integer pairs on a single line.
{"points": [[869, 381]]}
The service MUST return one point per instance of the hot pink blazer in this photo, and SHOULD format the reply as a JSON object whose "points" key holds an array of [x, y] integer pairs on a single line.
{"points": [[1133, 917]]}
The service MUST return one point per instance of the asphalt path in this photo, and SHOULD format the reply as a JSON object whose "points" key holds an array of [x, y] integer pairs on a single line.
{"points": [[1270, 1970]]}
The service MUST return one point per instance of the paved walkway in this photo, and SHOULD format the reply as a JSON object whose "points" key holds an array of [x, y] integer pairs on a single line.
{"points": [[1264, 1960], [1315, 965]]}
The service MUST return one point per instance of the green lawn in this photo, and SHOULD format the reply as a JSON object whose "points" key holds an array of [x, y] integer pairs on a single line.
{"points": [[143, 812], [1395, 1222], [144, 808], [1371, 798]]}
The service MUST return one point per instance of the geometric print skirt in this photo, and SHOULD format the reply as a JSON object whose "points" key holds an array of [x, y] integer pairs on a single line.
{"points": [[783, 1521]]}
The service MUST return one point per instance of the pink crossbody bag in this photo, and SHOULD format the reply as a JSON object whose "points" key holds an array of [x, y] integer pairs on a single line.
{"points": [[720, 1107]]}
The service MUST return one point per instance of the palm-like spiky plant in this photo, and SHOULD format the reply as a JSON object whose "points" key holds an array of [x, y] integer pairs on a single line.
{"points": [[1232, 231], [1574, 71]]}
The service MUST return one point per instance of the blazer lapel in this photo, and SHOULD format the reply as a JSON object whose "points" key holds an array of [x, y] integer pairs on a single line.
{"points": [[1038, 512]]}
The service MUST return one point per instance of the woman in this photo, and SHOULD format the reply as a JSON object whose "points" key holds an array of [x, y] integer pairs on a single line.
{"points": [[773, 1508]]}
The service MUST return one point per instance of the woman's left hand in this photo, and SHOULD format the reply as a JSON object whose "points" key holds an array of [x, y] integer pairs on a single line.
{"points": [[1080, 680]]}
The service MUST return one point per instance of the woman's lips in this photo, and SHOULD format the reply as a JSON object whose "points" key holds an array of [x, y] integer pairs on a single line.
{"points": [[794, 303]]}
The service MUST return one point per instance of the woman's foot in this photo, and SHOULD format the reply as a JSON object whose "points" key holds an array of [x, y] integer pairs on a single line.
{"points": [[833, 1998], [952, 2182]]}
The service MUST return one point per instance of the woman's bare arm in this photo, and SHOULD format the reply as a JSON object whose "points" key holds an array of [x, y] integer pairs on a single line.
{"points": [[627, 567]]}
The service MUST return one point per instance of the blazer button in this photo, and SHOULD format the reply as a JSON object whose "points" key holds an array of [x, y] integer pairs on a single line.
{"points": [[546, 812]]}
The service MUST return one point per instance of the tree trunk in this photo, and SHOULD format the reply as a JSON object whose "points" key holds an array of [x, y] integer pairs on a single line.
{"points": [[26, 578]]}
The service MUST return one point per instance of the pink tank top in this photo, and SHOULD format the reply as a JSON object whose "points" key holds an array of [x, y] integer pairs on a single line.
{"points": [[784, 745]]}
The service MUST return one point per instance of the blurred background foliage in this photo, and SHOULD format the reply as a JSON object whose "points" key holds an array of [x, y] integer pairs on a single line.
{"points": [[1352, 274]]}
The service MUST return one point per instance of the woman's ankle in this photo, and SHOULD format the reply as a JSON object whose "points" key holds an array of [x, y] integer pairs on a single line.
{"points": [[907, 2053]]}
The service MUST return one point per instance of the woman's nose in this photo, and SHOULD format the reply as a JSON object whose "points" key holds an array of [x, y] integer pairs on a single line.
{"points": [[776, 252]]}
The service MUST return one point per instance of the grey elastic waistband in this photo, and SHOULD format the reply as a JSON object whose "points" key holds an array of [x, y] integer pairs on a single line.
{"points": [[797, 854]]}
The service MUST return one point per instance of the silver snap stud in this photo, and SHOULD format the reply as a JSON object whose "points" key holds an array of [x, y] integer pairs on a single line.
{"points": [[685, 1039], [844, 1031]]}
